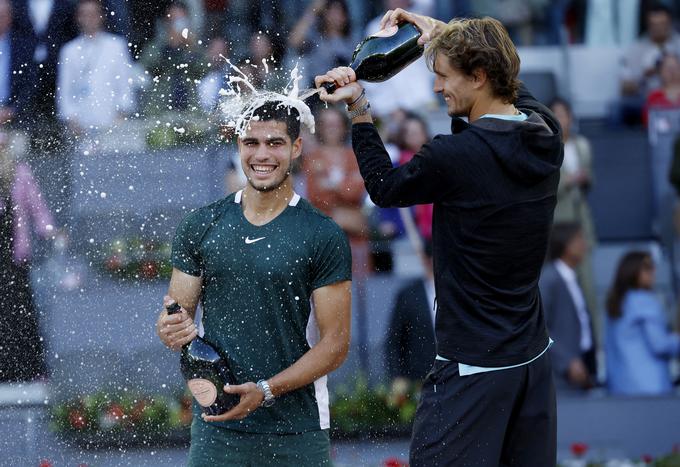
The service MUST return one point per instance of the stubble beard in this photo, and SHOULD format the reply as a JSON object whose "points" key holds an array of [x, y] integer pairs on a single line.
{"points": [[268, 188]]}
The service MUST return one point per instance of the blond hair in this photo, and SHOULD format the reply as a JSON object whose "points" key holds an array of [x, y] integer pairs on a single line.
{"points": [[480, 43]]}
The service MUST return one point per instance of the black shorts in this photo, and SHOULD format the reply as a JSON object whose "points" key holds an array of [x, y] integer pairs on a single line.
{"points": [[498, 418]]}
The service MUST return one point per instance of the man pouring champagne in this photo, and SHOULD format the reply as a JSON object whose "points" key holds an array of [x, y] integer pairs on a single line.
{"points": [[493, 182]]}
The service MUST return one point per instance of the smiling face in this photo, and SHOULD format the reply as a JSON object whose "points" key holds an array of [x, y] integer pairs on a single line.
{"points": [[458, 89], [267, 153]]}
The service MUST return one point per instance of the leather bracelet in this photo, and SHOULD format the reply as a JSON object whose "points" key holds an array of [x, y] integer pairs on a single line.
{"points": [[363, 110], [363, 93]]}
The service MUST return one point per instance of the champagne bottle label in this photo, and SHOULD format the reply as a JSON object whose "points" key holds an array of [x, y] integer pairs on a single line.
{"points": [[387, 32], [203, 391]]}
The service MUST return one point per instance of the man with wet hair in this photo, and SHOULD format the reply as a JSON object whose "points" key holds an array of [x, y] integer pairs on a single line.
{"points": [[273, 277], [489, 399]]}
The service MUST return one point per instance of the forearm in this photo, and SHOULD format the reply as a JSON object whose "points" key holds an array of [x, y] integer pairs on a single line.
{"points": [[185, 290], [320, 360], [388, 186]]}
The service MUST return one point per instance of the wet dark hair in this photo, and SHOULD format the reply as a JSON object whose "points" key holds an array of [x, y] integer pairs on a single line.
{"points": [[562, 233], [626, 278], [280, 112]]}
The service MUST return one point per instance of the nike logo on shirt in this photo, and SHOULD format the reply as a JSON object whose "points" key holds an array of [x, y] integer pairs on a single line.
{"points": [[249, 241]]}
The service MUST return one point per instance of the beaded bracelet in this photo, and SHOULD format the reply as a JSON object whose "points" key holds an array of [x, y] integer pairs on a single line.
{"points": [[360, 111]]}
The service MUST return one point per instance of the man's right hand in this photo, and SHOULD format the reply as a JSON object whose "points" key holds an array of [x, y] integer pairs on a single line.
{"points": [[429, 27], [177, 329]]}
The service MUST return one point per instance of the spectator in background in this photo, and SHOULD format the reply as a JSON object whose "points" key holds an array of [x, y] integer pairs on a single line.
{"points": [[446, 10], [146, 16], [410, 89], [15, 81], [410, 341], [44, 26], [408, 133], [22, 212], [518, 16], [244, 18], [95, 75], [576, 180], [323, 37], [566, 310], [217, 54], [638, 342], [640, 72], [174, 62], [414, 134], [267, 76], [334, 185], [668, 95]]}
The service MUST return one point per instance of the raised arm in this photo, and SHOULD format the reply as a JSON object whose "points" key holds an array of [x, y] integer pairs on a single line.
{"points": [[332, 311]]}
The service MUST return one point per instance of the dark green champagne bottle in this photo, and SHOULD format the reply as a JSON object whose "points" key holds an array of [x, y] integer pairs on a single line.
{"points": [[206, 372], [384, 54]]}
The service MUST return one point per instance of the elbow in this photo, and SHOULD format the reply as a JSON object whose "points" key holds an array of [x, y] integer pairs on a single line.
{"points": [[662, 351], [339, 351], [379, 198]]}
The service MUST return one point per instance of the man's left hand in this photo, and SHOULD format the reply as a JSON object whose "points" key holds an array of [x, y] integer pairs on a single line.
{"points": [[348, 90], [251, 398]]}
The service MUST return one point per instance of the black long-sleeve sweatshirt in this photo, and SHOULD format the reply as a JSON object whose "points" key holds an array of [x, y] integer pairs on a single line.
{"points": [[493, 184]]}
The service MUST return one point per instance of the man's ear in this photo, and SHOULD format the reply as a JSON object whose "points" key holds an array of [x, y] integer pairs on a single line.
{"points": [[297, 147], [479, 77]]}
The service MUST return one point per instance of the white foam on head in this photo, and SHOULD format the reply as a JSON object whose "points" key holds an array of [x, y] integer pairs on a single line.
{"points": [[238, 108]]}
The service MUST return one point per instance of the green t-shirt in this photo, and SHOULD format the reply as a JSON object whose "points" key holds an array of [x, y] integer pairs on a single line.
{"points": [[257, 285]]}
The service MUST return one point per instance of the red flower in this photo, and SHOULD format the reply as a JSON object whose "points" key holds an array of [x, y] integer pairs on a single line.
{"points": [[138, 411], [114, 263], [394, 462], [149, 270], [77, 419], [647, 459], [45, 463], [116, 411], [579, 449]]}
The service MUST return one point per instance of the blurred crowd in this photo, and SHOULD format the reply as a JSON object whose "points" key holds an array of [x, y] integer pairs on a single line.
{"points": [[73, 69]]}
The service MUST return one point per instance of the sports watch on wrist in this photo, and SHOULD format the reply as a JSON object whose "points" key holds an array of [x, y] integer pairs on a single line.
{"points": [[268, 400]]}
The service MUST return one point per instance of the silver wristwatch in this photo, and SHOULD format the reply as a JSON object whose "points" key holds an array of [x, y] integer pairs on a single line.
{"points": [[268, 400]]}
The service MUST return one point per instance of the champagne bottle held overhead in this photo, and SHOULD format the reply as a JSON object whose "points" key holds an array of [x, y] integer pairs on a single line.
{"points": [[206, 372], [384, 54]]}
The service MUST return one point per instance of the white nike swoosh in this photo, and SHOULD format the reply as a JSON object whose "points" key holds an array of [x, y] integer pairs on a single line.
{"points": [[249, 241]]}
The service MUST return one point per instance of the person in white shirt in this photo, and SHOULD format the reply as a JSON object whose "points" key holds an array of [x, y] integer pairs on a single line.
{"points": [[566, 312], [639, 72], [94, 75]]}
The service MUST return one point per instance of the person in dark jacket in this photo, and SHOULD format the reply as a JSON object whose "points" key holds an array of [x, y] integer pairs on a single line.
{"points": [[493, 182], [409, 344], [566, 309]]}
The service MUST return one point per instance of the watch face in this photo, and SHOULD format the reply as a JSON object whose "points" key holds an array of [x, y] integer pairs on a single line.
{"points": [[267, 403]]}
